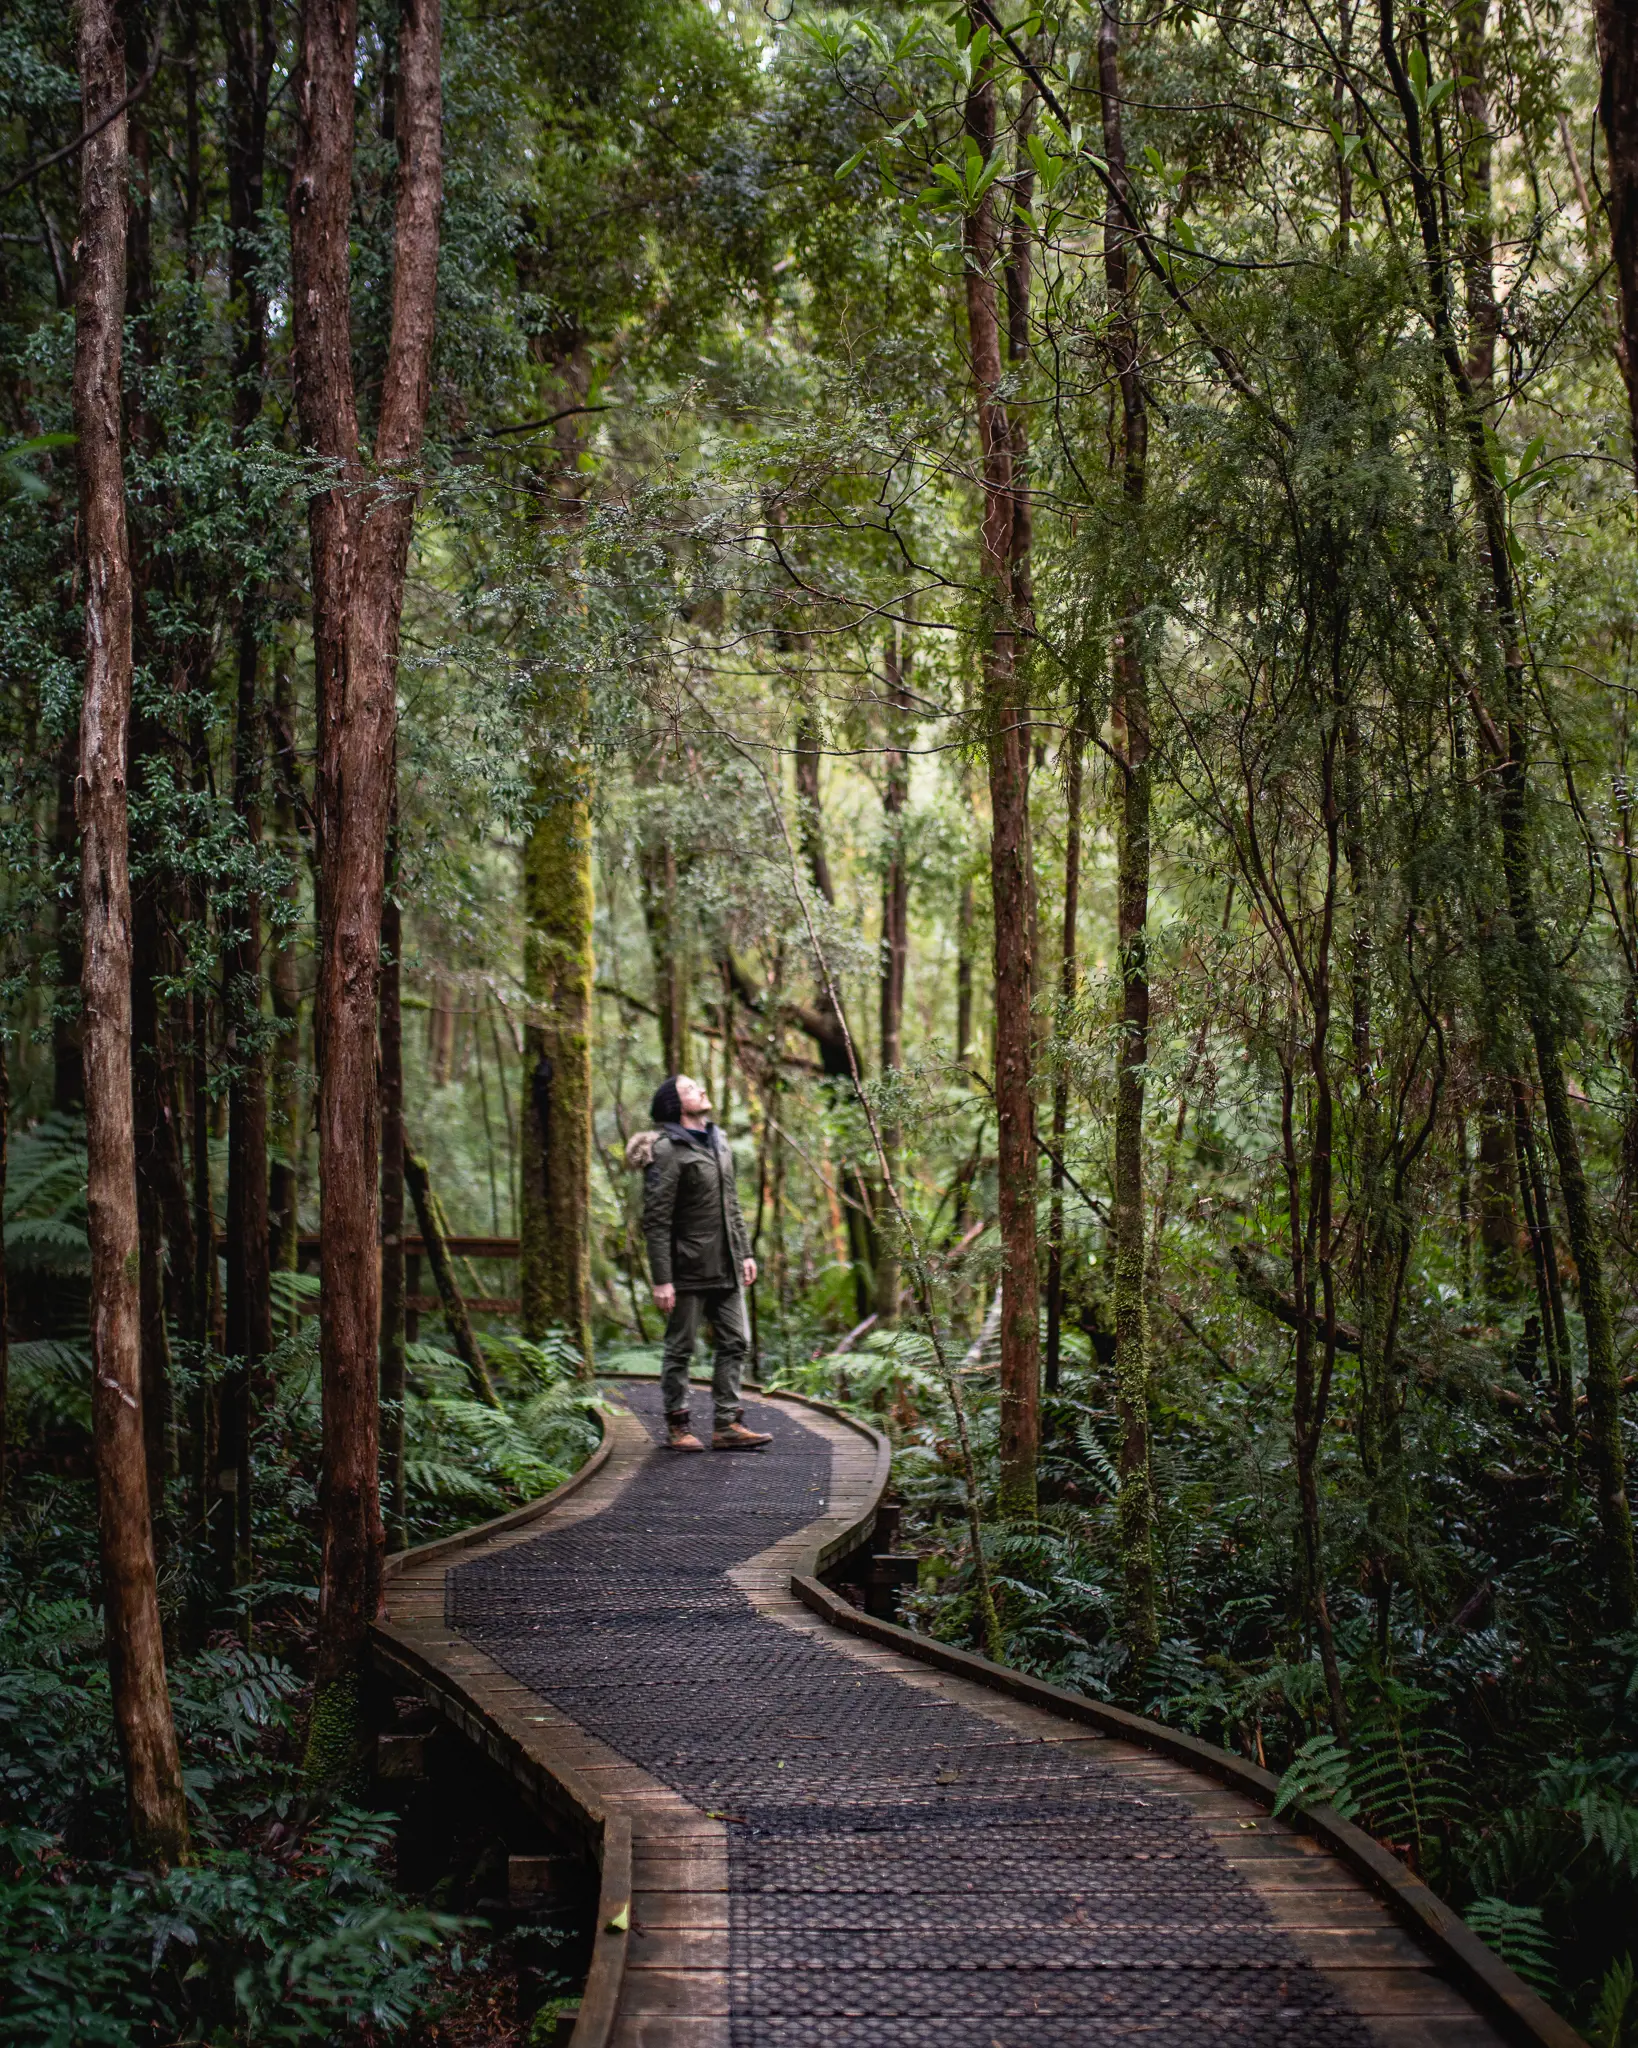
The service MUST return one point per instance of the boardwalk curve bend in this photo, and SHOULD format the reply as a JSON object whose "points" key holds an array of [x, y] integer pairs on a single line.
{"points": [[812, 1836]]}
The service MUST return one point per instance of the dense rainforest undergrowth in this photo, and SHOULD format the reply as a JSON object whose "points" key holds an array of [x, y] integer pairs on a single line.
{"points": [[1042, 598]]}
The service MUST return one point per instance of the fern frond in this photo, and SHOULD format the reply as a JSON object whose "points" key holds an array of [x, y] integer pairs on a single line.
{"points": [[1614, 2015], [1519, 1936], [1318, 1776]]}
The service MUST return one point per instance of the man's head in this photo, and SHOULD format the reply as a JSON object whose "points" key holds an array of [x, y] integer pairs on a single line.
{"points": [[680, 1099]]}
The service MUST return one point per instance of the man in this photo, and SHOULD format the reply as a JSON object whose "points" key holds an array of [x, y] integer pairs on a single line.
{"points": [[698, 1253]]}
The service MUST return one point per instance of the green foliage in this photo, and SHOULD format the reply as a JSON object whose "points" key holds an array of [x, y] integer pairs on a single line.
{"points": [[241, 1947], [1520, 1936], [465, 1459], [252, 1943], [1614, 2019]]}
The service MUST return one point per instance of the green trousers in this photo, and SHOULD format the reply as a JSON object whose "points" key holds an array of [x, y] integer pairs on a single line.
{"points": [[720, 1307]]}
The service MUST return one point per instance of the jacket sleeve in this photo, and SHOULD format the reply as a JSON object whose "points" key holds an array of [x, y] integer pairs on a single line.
{"points": [[659, 1206], [739, 1238]]}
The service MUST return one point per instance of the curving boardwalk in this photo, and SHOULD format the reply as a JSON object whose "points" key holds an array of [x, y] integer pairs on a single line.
{"points": [[835, 1847], [817, 1842]]}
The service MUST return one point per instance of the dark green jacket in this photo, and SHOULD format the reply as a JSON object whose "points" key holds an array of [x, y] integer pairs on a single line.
{"points": [[691, 1218]]}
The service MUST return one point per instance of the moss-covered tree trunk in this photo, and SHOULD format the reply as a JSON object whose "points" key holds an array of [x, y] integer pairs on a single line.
{"points": [[555, 1223]]}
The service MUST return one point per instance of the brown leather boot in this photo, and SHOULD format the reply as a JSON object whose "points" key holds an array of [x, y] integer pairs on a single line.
{"points": [[680, 1434], [736, 1437]]}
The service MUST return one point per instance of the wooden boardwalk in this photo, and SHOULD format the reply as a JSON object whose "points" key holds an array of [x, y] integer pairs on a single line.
{"points": [[783, 1866]]}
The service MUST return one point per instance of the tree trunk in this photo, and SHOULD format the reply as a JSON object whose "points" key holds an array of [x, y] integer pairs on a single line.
{"points": [[657, 868], [67, 1064], [358, 584], [895, 953], [136, 1649], [966, 918], [249, 1325], [1068, 989], [1006, 724], [249, 1308], [1538, 1223], [5, 1297], [1498, 1229], [433, 1236], [1618, 110], [284, 1177], [558, 909], [163, 1213], [555, 1226], [392, 1201], [1130, 719]]}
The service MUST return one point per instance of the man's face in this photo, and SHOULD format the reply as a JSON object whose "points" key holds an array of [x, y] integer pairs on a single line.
{"points": [[692, 1098]]}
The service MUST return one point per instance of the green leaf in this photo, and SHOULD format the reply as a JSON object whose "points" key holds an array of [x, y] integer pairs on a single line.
{"points": [[847, 169], [987, 175]]}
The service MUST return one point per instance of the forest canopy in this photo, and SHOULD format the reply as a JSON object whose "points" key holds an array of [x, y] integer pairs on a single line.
{"points": [[1042, 599]]}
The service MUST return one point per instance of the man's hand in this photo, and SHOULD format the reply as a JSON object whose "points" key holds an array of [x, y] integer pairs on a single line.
{"points": [[748, 1271], [665, 1297]]}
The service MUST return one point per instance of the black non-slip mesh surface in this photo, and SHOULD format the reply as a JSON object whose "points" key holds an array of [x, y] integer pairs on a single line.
{"points": [[901, 1869]]}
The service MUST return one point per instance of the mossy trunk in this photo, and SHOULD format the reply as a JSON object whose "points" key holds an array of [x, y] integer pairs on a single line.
{"points": [[555, 1223]]}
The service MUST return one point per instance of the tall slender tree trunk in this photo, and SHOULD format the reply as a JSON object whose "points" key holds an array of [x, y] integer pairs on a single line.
{"points": [[555, 1233], [67, 1064], [162, 1206], [249, 1305], [1618, 112], [1006, 726], [895, 954], [966, 919], [1068, 989], [284, 1176], [1130, 718], [360, 547], [392, 1200], [248, 35], [5, 1295], [136, 1649], [558, 909]]}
